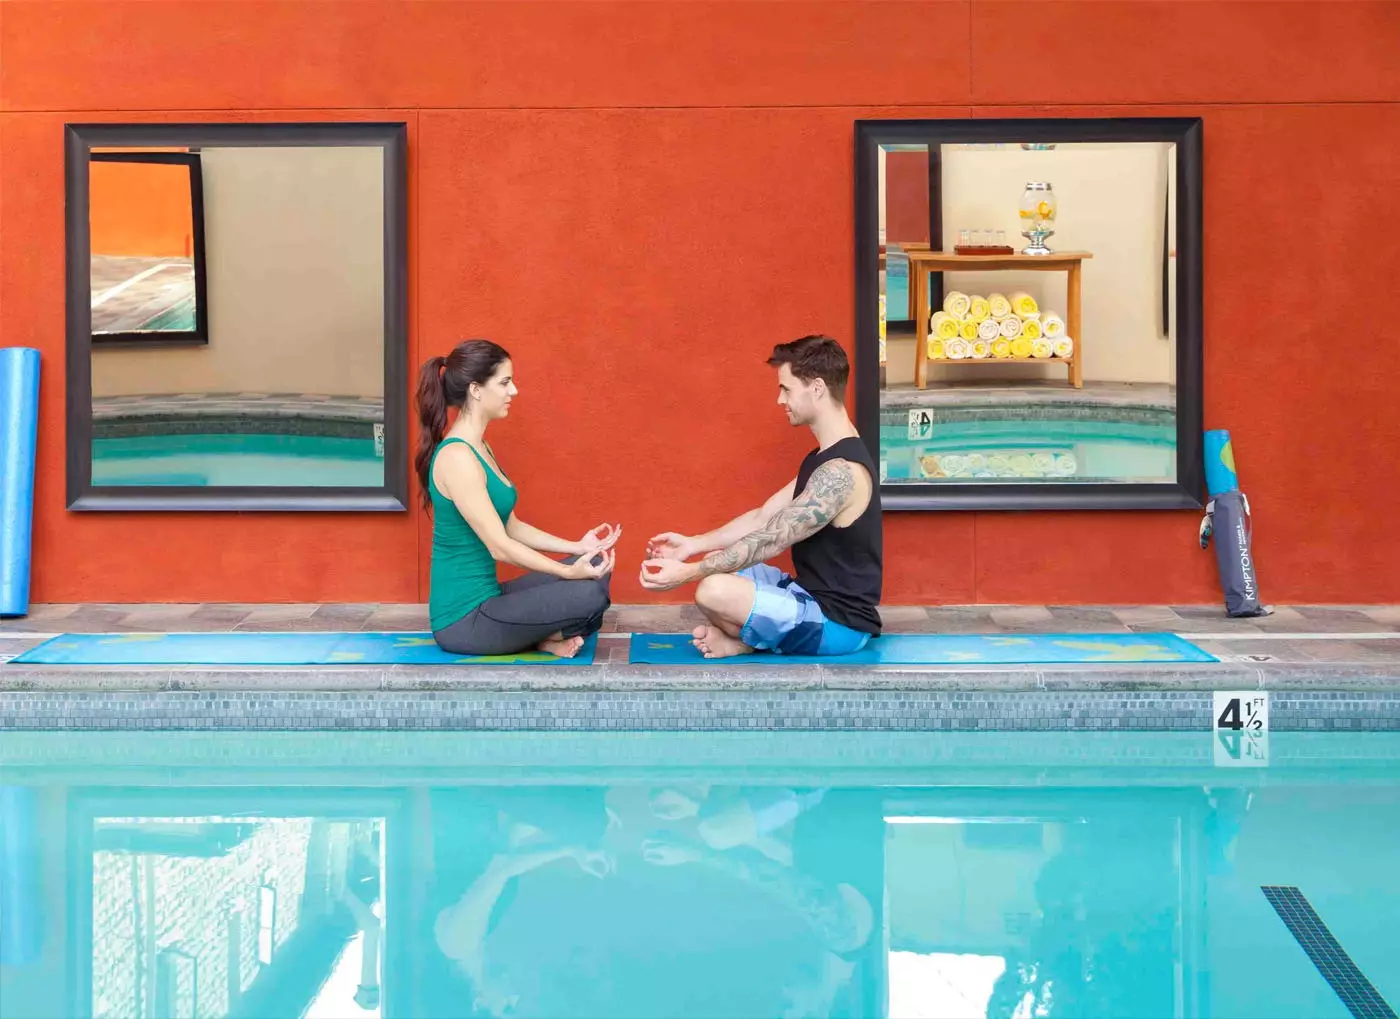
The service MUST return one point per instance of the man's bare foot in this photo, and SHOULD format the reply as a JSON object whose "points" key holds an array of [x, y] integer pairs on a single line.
{"points": [[715, 643], [566, 647]]}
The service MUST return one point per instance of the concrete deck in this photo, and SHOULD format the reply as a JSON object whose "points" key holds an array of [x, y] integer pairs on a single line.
{"points": [[1307, 648]]}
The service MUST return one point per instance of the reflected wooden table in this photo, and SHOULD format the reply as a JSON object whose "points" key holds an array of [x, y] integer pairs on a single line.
{"points": [[921, 263]]}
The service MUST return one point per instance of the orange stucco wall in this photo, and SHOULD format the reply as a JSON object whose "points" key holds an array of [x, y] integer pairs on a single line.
{"points": [[140, 209], [906, 197], [638, 199]]}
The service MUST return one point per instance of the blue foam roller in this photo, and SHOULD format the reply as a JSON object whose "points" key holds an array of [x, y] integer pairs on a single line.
{"points": [[1220, 463], [19, 427], [20, 914]]}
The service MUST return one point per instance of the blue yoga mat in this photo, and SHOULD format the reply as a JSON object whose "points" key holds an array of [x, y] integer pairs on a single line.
{"points": [[953, 649], [272, 649], [1220, 463], [19, 424]]}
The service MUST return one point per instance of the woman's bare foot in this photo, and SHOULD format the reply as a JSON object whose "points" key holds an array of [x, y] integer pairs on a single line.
{"points": [[715, 643], [565, 647]]}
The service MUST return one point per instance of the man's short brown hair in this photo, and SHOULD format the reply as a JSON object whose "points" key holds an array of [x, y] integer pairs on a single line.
{"points": [[816, 357]]}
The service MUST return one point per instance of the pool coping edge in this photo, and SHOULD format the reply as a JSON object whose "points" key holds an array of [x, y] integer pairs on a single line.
{"points": [[1311, 676]]}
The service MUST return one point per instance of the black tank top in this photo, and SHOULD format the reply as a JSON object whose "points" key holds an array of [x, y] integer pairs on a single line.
{"points": [[841, 567]]}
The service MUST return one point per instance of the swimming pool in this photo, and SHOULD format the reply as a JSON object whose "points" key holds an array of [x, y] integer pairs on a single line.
{"points": [[255, 460], [721, 874], [1019, 451]]}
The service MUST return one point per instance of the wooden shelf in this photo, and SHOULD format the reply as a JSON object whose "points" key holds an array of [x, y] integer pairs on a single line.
{"points": [[923, 262], [946, 260]]}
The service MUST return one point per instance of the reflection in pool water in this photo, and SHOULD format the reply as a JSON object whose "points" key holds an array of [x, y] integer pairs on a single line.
{"points": [[1029, 451], [707, 875], [253, 460]]}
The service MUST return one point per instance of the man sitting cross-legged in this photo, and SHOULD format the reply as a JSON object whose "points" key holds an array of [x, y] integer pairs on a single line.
{"points": [[829, 516]]}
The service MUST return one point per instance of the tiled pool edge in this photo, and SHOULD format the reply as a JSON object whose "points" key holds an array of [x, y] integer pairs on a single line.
{"points": [[680, 710], [627, 678], [614, 696]]}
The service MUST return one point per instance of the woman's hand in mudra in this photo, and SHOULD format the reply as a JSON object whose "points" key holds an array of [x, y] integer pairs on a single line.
{"points": [[600, 539], [593, 567]]}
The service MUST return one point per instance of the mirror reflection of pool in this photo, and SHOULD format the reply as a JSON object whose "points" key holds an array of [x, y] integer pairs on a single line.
{"points": [[245, 460], [1029, 451]]}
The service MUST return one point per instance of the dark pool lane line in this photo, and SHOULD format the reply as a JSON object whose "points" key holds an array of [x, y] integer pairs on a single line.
{"points": [[1360, 997]]}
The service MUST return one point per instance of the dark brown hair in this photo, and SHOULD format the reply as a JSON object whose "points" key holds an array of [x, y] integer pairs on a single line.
{"points": [[816, 357], [444, 382]]}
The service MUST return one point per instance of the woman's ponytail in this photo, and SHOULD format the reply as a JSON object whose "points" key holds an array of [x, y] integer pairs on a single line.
{"points": [[432, 418]]}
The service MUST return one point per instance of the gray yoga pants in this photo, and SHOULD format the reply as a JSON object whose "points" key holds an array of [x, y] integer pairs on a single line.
{"points": [[528, 609]]}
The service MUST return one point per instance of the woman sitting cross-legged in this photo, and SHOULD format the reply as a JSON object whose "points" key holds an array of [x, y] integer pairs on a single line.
{"points": [[555, 605]]}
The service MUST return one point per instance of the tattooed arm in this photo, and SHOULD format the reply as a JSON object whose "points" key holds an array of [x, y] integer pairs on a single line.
{"points": [[826, 495]]}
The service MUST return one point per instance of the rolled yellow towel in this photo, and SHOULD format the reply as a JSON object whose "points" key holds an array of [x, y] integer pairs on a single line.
{"points": [[955, 303], [1010, 327], [1041, 347], [935, 349], [1064, 346], [981, 349], [988, 329], [1020, 347], [953, 464], [1051, 325], [1023, 304], [944, 326], [1001, 347], [1000, 306], [978, 309], [1030, 329], [958, 349], [967, 329]]}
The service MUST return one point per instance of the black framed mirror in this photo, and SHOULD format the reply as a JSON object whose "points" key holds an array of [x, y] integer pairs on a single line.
{"points": [[237, 316], [1029, 312]]}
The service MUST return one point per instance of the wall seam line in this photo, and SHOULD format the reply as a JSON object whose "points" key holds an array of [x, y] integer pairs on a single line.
{"points": [[940, 104]]}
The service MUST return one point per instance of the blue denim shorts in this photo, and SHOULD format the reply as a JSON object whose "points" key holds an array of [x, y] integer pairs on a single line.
{"points": [[787, 620]]}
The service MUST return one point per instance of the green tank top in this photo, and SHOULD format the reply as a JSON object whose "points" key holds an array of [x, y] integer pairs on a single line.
{"points": [[463, 572]]}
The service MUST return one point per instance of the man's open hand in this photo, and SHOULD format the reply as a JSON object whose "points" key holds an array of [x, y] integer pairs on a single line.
{"points": [[669, 545]]}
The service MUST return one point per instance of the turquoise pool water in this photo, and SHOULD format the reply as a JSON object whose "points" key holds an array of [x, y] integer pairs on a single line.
{"points": [[714, 875], [897, 291], [257, 460], [1021, 451]]}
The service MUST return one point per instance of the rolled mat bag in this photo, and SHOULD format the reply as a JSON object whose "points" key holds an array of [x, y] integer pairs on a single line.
{"points": [[1227, 516], [1228, 520], [19, 423]]}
